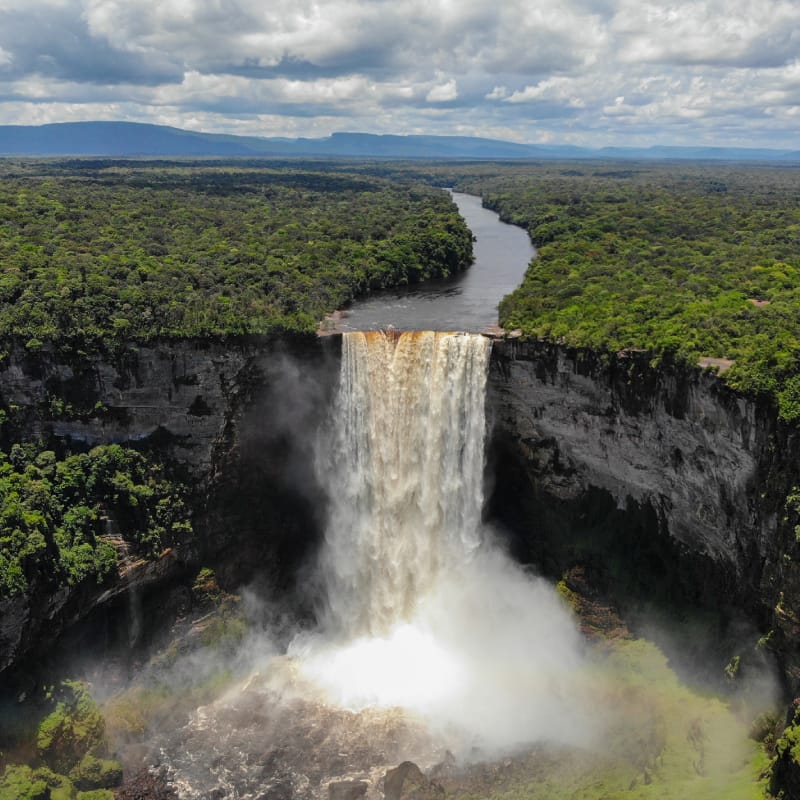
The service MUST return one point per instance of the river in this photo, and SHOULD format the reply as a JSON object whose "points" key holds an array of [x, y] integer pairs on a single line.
{"points": [[466, 302]]}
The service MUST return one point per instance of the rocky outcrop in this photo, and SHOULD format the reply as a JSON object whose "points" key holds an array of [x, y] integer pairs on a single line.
{"points": [[182, 391], [702, 471], [408, 782]]}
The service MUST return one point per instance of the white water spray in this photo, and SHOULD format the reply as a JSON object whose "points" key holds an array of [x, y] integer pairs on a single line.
{"points": [[421, 610]]}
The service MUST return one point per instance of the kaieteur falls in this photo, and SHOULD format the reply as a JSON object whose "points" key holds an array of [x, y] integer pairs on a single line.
{"points": [[429, 643], [421, 608]]}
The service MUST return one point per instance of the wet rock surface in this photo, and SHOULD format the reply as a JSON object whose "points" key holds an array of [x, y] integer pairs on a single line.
{"points": [[265, 741]]}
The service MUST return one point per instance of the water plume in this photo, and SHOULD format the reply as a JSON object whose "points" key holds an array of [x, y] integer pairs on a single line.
{"points": [[422, 610]]}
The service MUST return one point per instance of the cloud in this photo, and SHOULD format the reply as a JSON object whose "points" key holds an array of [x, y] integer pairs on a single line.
{"points": [[443, 93], [498, 93], [709, 32], [54, 41], [550, 70]]}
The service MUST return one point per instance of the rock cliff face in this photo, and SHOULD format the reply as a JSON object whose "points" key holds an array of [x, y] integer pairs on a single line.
{"points": [[182, 392], [221, 413], [689, 475], [659, 476]]}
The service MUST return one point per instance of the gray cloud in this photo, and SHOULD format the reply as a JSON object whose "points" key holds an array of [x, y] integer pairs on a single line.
{"points": [[583, 71], [55, 42]]}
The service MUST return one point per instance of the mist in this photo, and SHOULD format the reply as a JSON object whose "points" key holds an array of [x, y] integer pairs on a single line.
{"points": [[427, 642], [420, 607], [490, 659]]}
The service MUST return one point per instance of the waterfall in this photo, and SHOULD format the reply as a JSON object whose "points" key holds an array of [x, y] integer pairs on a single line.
{"points": [[422, 610], [403, 465]]}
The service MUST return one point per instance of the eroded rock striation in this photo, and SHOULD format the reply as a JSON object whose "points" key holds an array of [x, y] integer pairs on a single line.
{"points": [[661, 463], [220, 413]]}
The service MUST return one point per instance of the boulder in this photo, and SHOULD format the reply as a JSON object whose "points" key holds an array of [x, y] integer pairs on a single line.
{"points": [[408, 782]]}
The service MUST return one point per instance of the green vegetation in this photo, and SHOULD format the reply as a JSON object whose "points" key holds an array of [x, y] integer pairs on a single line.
{"points": [[56, 515], [786, 769], [73, 728], [71, 747], [662, 740], [93, 254], [683, 259], [20, 783]]}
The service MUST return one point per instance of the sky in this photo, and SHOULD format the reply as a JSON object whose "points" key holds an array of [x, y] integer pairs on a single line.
{"points": [[585, 72]]}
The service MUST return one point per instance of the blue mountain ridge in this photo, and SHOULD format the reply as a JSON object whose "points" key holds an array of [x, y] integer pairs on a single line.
{"points": [[135, 139]]}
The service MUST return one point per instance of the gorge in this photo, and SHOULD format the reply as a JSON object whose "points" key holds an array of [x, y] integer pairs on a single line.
{"points": [[656, 472]]}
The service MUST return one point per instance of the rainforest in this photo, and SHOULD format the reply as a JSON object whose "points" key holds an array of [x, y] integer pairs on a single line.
{"points": [[246, 555]]}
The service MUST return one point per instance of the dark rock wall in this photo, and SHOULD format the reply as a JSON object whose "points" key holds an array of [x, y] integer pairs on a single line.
{"points": [[676, 476], [595, 456], [225, 415]]}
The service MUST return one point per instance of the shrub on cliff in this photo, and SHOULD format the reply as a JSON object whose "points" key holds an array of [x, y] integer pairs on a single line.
{"points": [[785, 782], [19, 783], [96, 773], [55, 515], [73, 729]]}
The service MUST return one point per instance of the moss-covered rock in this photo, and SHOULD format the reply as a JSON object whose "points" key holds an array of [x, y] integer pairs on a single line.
{"points": [[61, 787], [785, 782], [20, 783], [96, 794], [75, 727], [96, 773]]}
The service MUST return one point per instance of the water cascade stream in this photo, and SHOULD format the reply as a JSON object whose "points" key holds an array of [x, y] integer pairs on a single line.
{"points": [[404, 466], [421, 608]]}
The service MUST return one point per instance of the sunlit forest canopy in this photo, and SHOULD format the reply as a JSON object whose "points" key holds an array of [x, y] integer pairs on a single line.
{"points": [[98, 252], [697, 261]]}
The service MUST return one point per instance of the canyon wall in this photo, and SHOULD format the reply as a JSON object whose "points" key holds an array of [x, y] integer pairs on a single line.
{"points": [[689, 478], [664, 461], [221, 414]]}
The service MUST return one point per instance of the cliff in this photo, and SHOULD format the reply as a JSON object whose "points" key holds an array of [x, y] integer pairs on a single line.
{"points": [[181, 392], [220, 414], [665, 480]]}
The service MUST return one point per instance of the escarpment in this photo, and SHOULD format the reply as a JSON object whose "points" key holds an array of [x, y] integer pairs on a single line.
{"points": [[659, 474], [222, 416], [662, 477]]}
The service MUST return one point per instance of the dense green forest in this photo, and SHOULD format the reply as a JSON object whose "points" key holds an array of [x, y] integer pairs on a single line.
{"points": [[700, 262], [97, 253], [63, 520]]}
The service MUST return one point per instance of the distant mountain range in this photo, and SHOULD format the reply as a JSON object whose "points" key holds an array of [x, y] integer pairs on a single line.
{"points": [[133, 139]]}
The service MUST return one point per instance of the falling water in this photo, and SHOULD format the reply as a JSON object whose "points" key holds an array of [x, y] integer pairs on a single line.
{"points": [[430, 638], [404, 467], [422, 610]]}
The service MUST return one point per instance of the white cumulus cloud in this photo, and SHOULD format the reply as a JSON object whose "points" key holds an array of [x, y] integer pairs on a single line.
{"points": [[443, 93], [551, 70]]}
